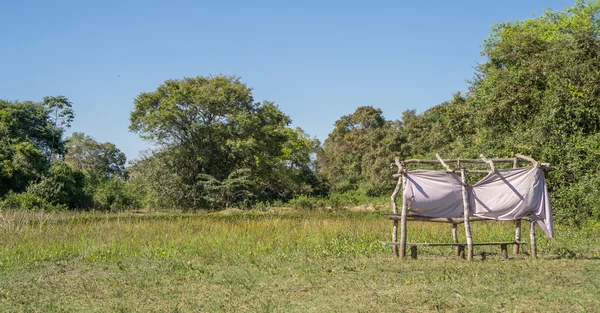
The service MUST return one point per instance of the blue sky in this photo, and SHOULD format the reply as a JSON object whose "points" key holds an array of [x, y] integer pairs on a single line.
{"points": [[318, 60]]}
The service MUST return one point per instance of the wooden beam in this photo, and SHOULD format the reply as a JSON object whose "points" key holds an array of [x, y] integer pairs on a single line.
{"points": [[456, 220], [489, 162], [495, 160], [403, 228], [455, 237], [395, 211], [443, 163], [442, 244], [532, 238], [466, 215], [517, 236]]}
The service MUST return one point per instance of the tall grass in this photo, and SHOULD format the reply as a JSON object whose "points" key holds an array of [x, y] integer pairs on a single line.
{"points": [[283, 261], [29, 238]]}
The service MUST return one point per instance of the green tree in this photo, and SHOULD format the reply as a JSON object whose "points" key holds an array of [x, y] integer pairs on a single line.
{"points": [[60, 113], [359, 149], [212, 126], [27, 139], [101, 160]]}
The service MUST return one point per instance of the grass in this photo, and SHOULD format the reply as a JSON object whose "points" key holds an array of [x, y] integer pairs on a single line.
{"points": [[279, 261]]}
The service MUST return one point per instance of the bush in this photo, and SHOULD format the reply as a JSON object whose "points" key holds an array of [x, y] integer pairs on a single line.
{"points": [[62, 186], [303, 202], [28, 201], [115, 194]]}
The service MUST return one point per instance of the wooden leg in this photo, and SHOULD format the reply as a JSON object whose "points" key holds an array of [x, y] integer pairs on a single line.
{"points": [[455, 238], [465, 197], [395, 238], [517, 236], [504, 250], [413, 252], [461, 251], [403, 229], [532, 239]]}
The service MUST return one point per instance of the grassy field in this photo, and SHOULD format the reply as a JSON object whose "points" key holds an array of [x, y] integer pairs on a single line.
{"points": [[280, 261]]}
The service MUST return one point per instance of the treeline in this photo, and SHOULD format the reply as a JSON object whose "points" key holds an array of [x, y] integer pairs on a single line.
{"points": [[538, 93]]}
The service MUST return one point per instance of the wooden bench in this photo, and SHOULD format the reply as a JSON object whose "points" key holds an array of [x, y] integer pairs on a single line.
{"points": [[460, 246]]}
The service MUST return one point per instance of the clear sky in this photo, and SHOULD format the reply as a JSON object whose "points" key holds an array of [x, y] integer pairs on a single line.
{"points": [[318, 60]]}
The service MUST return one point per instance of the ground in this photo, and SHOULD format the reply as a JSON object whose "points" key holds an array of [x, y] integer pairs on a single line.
{"points": [[280, 261]]}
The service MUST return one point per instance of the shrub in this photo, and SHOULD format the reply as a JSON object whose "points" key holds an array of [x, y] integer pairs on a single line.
{"points": [[303, 202], [28, 201], [115, 194]]}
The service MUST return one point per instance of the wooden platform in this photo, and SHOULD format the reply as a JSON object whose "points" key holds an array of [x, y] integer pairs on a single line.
{"points": [[460, 246]]}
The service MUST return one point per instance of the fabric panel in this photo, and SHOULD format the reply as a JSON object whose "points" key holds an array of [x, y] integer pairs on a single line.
{"points": [[434, 194], [511, 194]]}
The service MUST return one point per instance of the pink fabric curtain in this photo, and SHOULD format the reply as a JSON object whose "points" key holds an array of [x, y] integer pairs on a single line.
{"points": [[501, 195]]}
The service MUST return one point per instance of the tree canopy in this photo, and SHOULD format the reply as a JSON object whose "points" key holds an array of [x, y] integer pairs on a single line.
{"points": [[208, 128]]}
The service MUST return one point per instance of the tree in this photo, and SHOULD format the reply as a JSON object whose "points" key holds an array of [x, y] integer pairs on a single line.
{"points": [[212, 126], [359, 150], [60, 113], [27, 138], [99, 159]]}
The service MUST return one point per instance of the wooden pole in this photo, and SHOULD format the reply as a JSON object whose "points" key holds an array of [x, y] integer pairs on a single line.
{"points": [[466, 215], [517, 236], [448, 169], [517, 246], [489, 162], [413, 252], [455, 238], [403, 228], [504, 250], [395, 208], [532, 238]]}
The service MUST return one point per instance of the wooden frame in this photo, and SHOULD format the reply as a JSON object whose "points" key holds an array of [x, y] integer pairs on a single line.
{"points": [[399, 248]]}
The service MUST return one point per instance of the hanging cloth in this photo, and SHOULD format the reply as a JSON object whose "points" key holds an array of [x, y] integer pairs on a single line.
{"points": [[501, 195], [434, 194], [511, 194]]}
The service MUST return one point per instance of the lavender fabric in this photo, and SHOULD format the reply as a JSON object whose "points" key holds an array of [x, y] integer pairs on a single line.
{"points": [[501, 195], [434, 194]]}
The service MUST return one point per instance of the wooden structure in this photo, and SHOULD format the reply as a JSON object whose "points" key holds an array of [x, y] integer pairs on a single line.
{"points": [[399, 248]]}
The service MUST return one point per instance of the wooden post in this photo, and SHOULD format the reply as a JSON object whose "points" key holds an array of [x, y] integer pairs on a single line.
{"points": [[466, 215], [461, 251], [517, 236], [395, 207], [403, 228], [504, 250], [455, 238], [532, 238], [517, 222], [413, 252]]}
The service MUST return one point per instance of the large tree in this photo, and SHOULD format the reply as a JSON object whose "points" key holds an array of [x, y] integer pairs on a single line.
{"points": [[28, 137], [359, 150], [99, 159], [211, 127]]}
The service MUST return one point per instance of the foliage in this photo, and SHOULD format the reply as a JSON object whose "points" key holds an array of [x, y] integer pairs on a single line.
{"points": [[60, 112], [209, 128], [27, 201], [99, 161], [27, 138], [359, 150], [62, 185], [232, 190], [115, 195]]}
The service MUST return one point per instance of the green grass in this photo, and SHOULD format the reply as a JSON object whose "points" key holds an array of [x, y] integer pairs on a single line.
{"points": [[282, 261]]}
